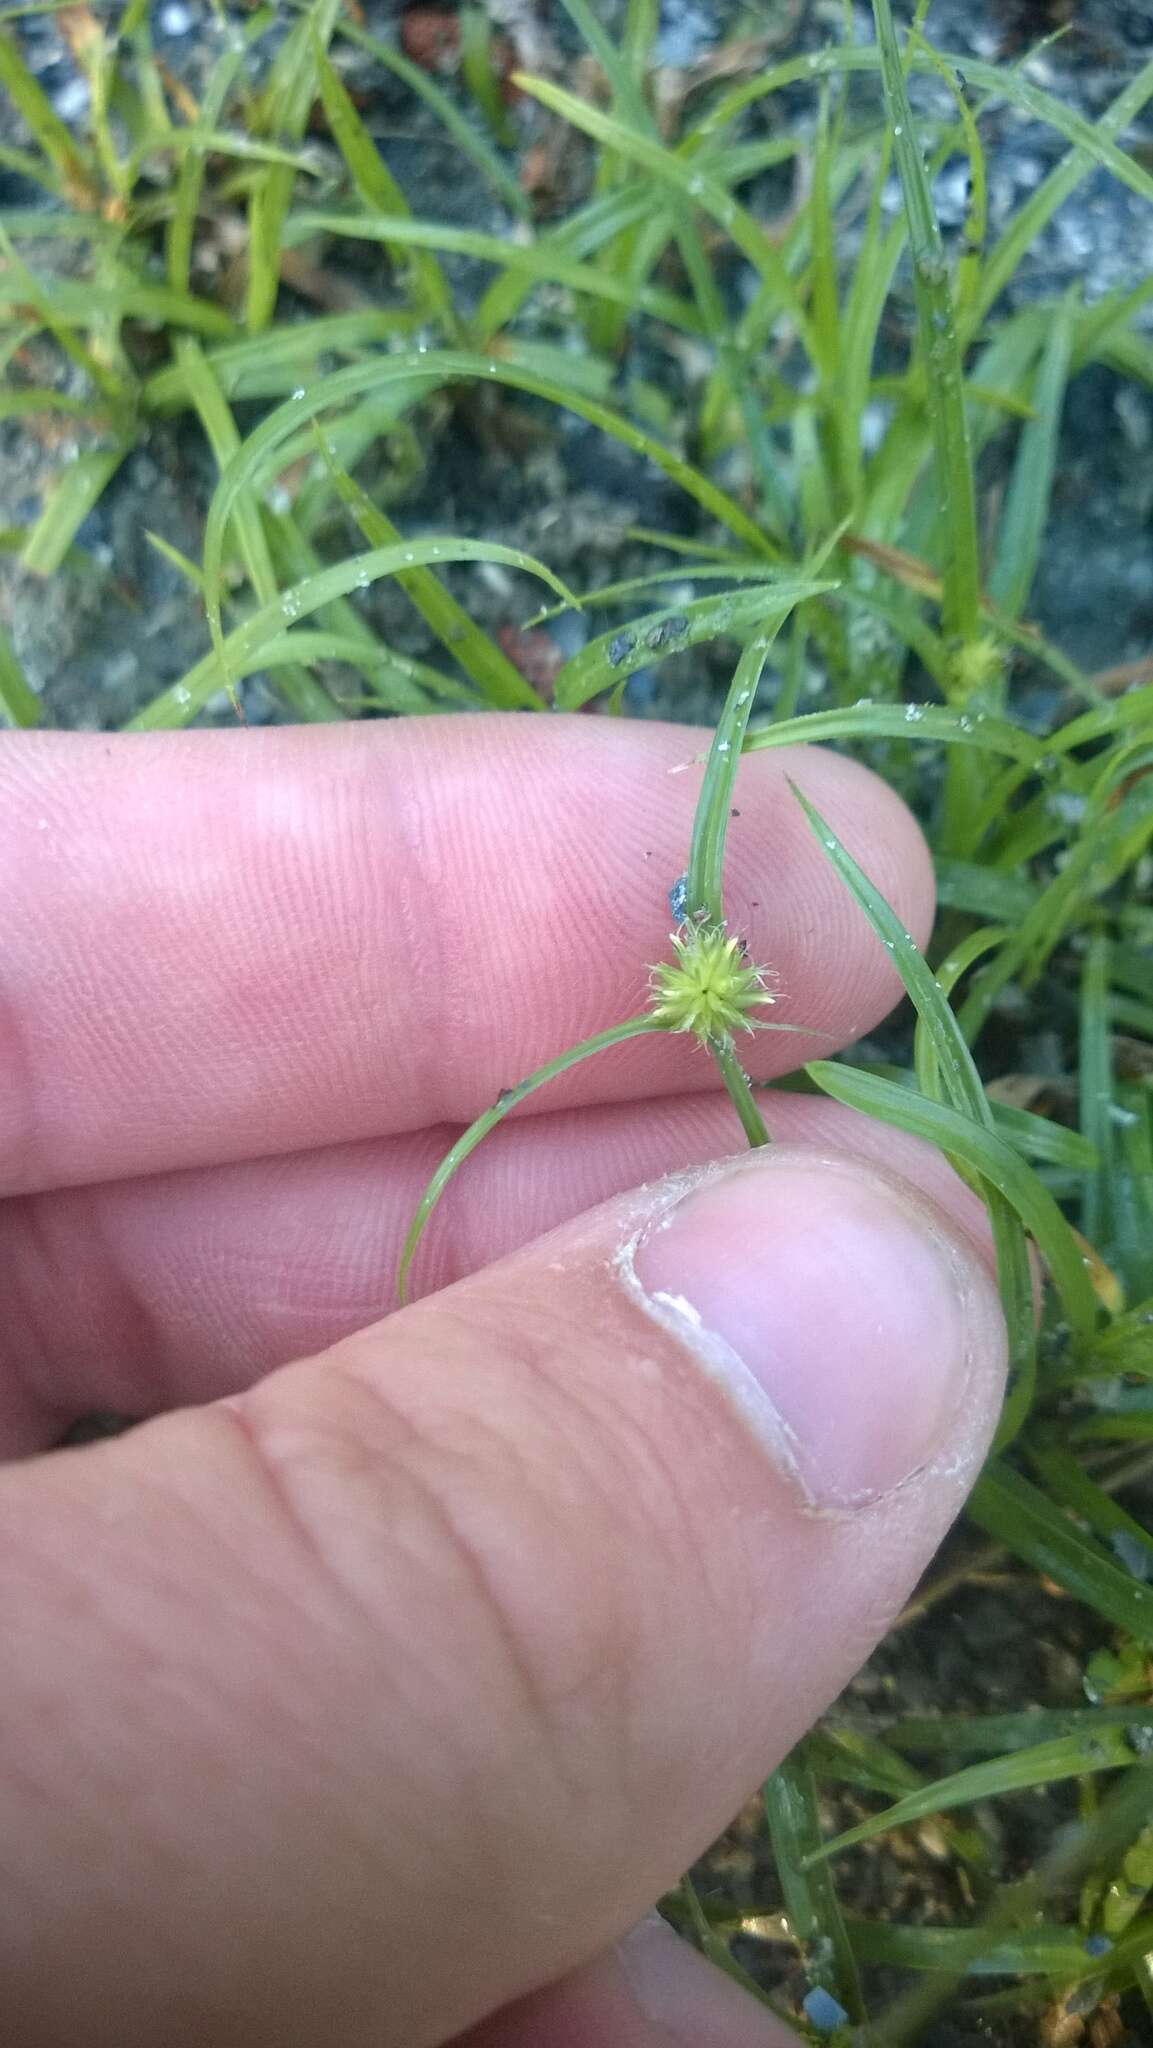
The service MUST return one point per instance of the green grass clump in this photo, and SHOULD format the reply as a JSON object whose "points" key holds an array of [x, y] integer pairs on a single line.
{"points": [[876, 562]]}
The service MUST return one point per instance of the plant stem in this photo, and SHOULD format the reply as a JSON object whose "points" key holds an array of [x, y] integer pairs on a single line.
{"points": [[740, 1090]]}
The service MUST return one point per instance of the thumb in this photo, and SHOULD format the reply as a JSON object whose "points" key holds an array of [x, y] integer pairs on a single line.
{"points": [[362, 1704]]}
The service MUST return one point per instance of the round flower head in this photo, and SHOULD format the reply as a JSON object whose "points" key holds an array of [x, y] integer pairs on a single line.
{"points": [[711, 988]]}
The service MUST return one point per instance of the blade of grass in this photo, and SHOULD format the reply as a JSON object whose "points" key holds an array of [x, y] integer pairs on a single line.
{"points": [[281, 111], [19, 704], [633, 1027], [476, 147], [1049, 1763], [994, 1734], [76, 174], [381, 194], [704, 882], [1070, 1486], [417, 374], [1022, 528], [68, 503], [914, 722], [549, 268], [180, 702], [1096, 1092], [482, 660], [612, 657], [939, 343], [811, 1904], [306, 696], [705, 191], [1019, 1515], [984, 1153]]}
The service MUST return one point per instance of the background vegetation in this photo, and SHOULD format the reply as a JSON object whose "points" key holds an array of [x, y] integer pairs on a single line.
{"points": [[725, 283]]}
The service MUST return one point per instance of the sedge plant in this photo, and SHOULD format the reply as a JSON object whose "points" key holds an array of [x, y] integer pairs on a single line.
{"points": [[835, 536]]}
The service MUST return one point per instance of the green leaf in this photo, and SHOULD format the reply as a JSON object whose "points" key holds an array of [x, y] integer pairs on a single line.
{"points": [[19, 704], [1023, 522], [939, 345], [476, 147], [986, 1154], [904, 722], [32, 103], [481, 659], [1049, 1763], [379, 191], [633, 1027], [413, 376], [811, 1904], [689, 182], [1016, 1513], [68, 503], [241, 648], [612, 657], [539, 264], [993, 1734]]}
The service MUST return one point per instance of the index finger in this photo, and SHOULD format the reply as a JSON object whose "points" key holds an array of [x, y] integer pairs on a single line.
{"points": [[224, 945]]}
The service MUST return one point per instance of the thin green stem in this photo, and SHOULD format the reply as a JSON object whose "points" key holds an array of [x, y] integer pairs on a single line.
{"points": [[740, 1090], [633, 1027]]}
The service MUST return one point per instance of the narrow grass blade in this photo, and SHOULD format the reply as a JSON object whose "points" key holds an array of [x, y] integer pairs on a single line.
{"points": [[1050, 1763], [607, 594], [281, 111], [1023, 1518], [481, 659], [476, 147], [380, 192], [539, 265], [77, 176], [1047, 1951], [633, 1027], [612, 657], [181, 230], [414, 375], [176, 705], [994, 1734], [704, 882], [305, 695], [689, 182], [1093, 144], [940, 346], [19, 704], [270, 364], [399, 683], [917, 722], [811, 1904], [983, 1152], [1096, 1091], [1022, 527], [1069, 1486], [67, 506]]}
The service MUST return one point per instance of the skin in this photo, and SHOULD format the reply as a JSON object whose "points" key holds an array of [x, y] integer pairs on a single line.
{"points": [[369, 1691]]}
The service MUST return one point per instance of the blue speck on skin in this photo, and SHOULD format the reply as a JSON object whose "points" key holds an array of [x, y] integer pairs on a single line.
{"points": [[822, 2010]]}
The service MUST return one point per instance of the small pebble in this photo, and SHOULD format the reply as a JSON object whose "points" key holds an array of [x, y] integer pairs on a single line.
{"points": [[823, 2011]]}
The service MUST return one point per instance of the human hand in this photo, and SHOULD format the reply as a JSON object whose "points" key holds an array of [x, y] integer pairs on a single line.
{"points": [[375, 1699]]}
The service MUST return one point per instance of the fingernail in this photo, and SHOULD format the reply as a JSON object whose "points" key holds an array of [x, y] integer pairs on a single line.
{"points": [[686, 1999], [833, 1306]]}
